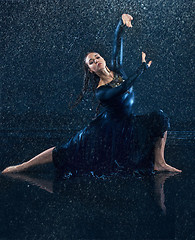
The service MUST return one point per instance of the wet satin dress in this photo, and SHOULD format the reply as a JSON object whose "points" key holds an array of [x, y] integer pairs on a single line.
{"points": [[116, 140]]}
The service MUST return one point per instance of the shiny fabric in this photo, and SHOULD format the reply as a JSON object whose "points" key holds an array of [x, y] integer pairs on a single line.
{"points": [[117, 140]]}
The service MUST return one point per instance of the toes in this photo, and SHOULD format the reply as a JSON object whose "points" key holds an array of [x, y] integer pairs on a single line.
{"points": [[167, 168], [5, 170], [9, 169], [172, 169]]}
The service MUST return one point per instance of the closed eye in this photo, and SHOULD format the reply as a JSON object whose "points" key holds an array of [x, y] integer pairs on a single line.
{"points": [[91, 62]]}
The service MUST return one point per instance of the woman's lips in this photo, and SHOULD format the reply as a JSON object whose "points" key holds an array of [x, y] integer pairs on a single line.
{"points": [[99, 64]]}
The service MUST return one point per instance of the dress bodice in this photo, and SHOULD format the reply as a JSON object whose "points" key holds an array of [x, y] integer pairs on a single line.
{"points": [[118, 105]]}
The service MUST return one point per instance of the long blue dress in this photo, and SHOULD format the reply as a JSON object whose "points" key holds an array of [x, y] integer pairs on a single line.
{"points": [[116, 140]]}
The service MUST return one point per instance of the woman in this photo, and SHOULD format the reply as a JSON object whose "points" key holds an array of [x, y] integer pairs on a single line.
{"points": [[116, 140]]}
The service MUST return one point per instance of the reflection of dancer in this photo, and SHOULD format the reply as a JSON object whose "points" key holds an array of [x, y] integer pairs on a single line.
{"points": [[159, 181], [55, 186], [116, 140]]}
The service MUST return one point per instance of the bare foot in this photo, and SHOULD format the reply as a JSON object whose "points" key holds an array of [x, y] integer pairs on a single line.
{"points": [[13, 169], [165, 167]]}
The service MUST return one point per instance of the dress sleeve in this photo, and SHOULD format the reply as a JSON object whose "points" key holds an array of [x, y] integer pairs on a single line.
{"points": [[117, 52], [106, 92]]}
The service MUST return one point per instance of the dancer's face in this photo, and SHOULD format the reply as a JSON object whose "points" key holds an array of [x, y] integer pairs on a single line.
{"points": [[95, 62]]}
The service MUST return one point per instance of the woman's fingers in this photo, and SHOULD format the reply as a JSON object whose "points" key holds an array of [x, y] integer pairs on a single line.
{"points": [[129, 24], [144, 59], [143, 54], [149, 64], [127, 20]]}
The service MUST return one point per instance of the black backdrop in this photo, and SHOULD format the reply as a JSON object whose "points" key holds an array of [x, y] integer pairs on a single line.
{"points": [[43, 44]]}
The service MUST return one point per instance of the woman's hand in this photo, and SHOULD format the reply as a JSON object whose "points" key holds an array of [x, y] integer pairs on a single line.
{"points": [[127, 20], [144, 59]]}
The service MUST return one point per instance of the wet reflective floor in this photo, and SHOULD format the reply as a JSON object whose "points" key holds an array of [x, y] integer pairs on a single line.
{"points": [[37, 205]]}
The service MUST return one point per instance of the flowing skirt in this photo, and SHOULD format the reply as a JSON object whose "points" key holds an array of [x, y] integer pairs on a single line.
{"points": [[109, 144]]}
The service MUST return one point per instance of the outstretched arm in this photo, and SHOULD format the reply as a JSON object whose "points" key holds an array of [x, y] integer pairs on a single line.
{"points": [[106, 92], [117, 53]]}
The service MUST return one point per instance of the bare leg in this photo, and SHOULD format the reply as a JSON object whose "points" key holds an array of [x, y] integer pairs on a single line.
{"points": [[42, 158], [159, 161]]}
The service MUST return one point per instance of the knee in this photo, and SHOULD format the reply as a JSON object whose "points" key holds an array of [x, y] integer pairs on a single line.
{"points": [[160, 123], [159, 113], [161, 119]]}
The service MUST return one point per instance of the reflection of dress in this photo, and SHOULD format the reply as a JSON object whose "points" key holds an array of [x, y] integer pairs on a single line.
{"points": [[116, 140]]}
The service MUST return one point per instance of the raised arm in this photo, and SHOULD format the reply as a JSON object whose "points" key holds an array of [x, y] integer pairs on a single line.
{"points": [[106, 92], [117, 53]]}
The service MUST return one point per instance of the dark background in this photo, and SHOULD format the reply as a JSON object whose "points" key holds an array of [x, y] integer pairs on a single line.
{"points": [[42, 48]]}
